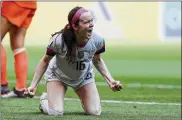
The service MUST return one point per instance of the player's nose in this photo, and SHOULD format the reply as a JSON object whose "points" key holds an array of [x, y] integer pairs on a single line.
{"points": [[91, 24]]}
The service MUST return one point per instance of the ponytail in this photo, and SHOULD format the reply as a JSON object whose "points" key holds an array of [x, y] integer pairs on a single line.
{"points": [[70, 41]]}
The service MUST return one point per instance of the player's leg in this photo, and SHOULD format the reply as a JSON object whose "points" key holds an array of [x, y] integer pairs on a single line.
{"points": [[17, 16], [90, 99], [3, 66], [5, 26], [17, 38], [52, 103], [4, 82]]}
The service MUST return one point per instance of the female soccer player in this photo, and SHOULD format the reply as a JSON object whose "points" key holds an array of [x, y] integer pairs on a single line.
{"points": [[68, 62], [16, 16]]}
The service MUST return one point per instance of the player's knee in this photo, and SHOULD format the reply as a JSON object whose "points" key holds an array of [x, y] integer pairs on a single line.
{"points": [[94, 111], [55, 112]]}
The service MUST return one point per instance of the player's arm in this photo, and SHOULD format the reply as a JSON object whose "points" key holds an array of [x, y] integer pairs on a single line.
{"points": [[42, 66], [103, 70], [40, 70]]}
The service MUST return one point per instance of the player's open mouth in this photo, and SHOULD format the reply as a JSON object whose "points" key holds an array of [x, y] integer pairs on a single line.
{"points": [[90, 31]]}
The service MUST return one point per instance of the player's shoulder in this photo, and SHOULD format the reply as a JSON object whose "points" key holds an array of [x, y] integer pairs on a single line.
{"points": [[57, 38], [96, 36], [97, 39], [57, 35]]}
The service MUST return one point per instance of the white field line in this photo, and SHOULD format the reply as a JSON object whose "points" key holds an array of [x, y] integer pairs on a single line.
{"points": [[131, 85], [123, 102]]}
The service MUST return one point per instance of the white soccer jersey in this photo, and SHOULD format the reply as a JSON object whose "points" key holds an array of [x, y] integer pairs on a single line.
{"points": [[81, 68]]}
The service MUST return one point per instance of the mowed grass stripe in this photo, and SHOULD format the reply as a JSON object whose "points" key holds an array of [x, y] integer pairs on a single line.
{"points": [[122, 102], [27, 109], [129, 85]]}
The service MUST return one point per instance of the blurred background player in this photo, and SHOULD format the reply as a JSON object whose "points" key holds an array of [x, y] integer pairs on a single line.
{"points": [[16, 16]]}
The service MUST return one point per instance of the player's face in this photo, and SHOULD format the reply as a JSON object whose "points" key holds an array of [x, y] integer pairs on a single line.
{"points": [[86, 25]]}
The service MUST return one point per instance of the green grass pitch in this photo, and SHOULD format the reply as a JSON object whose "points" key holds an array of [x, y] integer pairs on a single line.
{"points": [[144, 64]]}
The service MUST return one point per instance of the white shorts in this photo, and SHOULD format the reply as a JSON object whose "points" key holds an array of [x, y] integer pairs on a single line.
{"points": [[50, 76]]}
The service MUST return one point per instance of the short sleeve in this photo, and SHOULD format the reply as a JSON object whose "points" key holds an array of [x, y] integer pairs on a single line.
{"points": [[55, 45], [100, 44]]}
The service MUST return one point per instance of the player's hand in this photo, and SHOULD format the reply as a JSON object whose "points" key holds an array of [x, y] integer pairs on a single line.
{"points": [[115, 86], [30, 92]]}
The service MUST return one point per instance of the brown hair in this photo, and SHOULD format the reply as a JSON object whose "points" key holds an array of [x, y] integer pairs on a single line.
{"points": [[68, 34]]}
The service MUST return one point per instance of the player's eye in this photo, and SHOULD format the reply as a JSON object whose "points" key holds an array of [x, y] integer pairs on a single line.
{"points": [[88, 21]]}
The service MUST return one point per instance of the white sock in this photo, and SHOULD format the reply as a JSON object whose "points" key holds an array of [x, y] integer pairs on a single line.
{"points": [[45, 106], [47, 110], [54, 112]]}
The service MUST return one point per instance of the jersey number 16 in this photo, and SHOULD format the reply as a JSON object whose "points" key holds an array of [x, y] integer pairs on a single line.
{"points": [[80, 65]]}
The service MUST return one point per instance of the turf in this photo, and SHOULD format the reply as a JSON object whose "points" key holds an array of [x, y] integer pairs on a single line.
{"points": [[156, 64], [27, 109]]}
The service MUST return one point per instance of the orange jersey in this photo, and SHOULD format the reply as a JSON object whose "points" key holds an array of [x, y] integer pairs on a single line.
{"points": [[27, 4]]}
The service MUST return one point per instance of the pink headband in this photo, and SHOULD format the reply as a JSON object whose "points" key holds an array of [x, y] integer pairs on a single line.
{"points": [[78, 14]]}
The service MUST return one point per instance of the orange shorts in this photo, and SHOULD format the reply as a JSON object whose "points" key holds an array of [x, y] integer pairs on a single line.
{"points": [[19, 16]]}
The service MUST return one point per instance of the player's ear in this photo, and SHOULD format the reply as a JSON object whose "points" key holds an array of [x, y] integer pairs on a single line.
{"points": [[74, 27]]}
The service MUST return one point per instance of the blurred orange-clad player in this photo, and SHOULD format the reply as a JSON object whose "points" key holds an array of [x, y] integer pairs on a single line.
{"points": [[16, 17]]}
